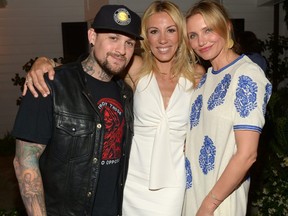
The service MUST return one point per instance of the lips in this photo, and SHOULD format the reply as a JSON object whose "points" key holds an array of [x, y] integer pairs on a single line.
{"points": [[163, 50], [117, 57], [204, 49]]}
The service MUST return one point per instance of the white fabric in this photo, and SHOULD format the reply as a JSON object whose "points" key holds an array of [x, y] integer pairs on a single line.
{"points": [[211, 136], [156, 176]]}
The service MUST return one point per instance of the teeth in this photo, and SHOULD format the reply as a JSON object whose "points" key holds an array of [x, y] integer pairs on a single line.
{"points": [[163, 49]]}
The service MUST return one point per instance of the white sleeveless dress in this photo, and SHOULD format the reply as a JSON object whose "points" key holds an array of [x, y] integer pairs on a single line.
{"points": [[155, 184]]}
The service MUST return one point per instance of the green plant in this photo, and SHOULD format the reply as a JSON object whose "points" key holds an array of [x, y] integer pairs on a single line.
{"points": [[276, 47], [270, 186], [285, 8], [14, 212]]}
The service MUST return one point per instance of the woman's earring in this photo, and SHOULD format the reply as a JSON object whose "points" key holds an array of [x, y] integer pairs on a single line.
{"points": [[230, 43], [91, 45]]}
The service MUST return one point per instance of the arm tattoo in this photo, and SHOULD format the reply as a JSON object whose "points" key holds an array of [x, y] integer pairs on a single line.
{"points": [[29, 177]]}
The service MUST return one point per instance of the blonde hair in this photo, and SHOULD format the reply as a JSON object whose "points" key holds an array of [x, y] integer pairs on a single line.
{"points": [[216, 17], [183, 62]]}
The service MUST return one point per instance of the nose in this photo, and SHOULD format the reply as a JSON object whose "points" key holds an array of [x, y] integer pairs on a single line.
{"points": [[162, 38], [121, 48], [201, 41]]}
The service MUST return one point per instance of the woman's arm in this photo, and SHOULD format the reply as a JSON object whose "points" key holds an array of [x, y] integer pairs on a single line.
{"points": [[35, 77], [42, 65], [133, 71], [234, 173]]}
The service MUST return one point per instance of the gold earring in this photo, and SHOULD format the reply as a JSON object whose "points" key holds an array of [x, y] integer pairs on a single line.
{"points": [[230, 43]]}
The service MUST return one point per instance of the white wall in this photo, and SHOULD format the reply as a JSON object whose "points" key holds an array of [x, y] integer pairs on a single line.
{"points": [[139, 6], [258, 19], [92, 7], [30, 28]]}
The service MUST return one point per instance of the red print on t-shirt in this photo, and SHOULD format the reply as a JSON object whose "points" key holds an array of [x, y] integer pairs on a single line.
{"points": [[112, 113]]}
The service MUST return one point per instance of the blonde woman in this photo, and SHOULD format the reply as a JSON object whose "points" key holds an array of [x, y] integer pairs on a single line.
{"points": [[156, 176], [227, 116]]}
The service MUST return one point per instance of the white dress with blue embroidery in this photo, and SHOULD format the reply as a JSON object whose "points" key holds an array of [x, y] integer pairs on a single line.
{"points": [[155, 185], [232, 98]]}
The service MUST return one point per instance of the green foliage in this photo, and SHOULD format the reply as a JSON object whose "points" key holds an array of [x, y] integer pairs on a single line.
{"points": [[285, 8], [9, 213], [13, 212], [20, 81], [270, 191], [278, 60], [269, 185]]}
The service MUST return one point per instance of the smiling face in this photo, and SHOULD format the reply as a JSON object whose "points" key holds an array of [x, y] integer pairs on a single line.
{"points": [[205, 42], [112, 51], [162, 35]]}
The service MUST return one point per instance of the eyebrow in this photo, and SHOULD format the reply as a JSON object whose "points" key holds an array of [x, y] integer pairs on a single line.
{"points": [[166, 27]]}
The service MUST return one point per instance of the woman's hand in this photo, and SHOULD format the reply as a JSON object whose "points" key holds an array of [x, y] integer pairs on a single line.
{"points": [[35, 77], [208, 207]]}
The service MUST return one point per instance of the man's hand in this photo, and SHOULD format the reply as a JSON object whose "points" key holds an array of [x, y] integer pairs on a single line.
{"points": [[35, 77]]}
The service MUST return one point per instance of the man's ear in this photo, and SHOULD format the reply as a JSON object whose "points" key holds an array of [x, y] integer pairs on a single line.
{"points": [[92, 36]]}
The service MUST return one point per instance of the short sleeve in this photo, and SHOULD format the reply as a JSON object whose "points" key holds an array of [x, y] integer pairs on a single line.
{"points": [[252, 91], [33, 122]]}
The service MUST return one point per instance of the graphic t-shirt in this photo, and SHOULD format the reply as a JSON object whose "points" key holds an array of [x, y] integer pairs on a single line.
{"points": [[107, 99], [38, 128]]}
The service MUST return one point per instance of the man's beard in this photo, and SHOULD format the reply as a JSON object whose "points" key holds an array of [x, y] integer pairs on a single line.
{"points": [[107, 68]]}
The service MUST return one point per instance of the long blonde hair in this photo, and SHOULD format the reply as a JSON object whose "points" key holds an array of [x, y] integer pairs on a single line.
{"points": [[183, 62]]}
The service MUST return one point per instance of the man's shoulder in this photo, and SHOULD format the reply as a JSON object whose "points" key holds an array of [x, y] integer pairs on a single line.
{"points": [[72, 66], [66, 75]]}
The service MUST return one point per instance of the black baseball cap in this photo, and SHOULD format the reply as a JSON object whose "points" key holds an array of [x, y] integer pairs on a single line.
{"points": [[118, 18]]}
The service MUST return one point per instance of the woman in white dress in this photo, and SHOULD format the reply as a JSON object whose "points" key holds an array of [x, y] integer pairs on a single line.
{"points": [[155, 183], [227, 116]]}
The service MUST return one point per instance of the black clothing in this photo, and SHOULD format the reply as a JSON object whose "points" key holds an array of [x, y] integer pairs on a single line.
{"points": [[107, 98], [71, 163]]}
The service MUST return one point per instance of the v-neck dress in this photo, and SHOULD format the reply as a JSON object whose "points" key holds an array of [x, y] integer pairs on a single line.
{"points": [[155, 183]]}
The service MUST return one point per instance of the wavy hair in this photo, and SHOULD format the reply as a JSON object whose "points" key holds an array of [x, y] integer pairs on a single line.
{"points": [[183, 61]]}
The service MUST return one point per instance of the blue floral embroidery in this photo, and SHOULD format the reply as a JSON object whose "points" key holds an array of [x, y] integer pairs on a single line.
{"points": [[268, 93], [217, 98], [246, 95], [202, 81], [207, 155], [195, 111], [188, 173]]}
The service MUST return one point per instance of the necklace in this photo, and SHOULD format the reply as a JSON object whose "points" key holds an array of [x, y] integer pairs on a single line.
{"points": [[162, 74]]}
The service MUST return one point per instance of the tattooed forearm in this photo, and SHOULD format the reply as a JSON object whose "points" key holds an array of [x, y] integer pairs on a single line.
{"points": [[29, 177]]}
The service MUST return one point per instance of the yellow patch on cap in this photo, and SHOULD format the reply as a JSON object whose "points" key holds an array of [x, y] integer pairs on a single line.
{"points": [[122, 16]]}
